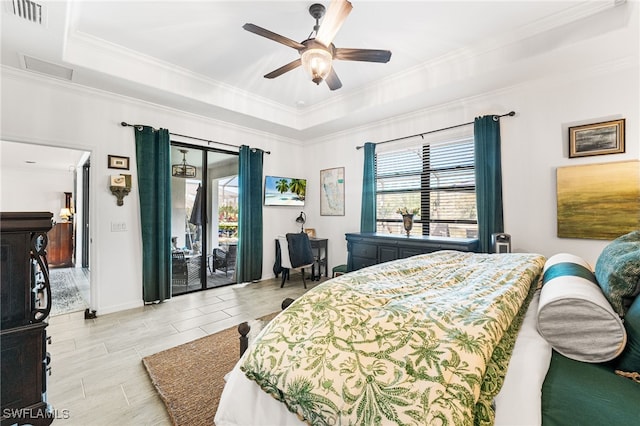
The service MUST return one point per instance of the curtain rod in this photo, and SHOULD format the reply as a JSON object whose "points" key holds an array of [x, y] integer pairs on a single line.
{"points": [[209, 142], [495, 118]]}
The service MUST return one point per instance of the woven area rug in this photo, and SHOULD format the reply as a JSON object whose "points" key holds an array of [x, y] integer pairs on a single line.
{"points": [[65, 295], [190, 377]]}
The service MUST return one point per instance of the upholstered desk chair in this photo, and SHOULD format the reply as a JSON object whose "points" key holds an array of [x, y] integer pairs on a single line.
{"points": [[295, 253]]}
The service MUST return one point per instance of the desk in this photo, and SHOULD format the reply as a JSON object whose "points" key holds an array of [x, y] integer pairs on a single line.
{"points": [[321, 244]]}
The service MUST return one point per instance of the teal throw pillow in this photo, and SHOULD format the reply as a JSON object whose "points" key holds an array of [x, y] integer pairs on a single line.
{"points": [[618, 271]]}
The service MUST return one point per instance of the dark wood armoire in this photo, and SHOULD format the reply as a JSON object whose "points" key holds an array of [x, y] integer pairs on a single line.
{"points": [[60, 247], [25, 297]]}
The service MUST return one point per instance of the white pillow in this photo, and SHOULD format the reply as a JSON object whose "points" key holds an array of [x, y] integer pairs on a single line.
{"points": [[565, 258], [574, 316]]}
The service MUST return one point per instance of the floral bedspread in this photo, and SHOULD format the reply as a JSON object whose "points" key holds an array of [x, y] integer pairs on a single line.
{"points": [[406, 342]]}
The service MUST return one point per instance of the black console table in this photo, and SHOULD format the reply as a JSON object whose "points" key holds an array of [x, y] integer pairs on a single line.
{"points": [[321, 244], [366, 249]]}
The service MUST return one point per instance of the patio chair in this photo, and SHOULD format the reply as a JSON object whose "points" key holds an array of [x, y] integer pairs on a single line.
{"points": [[224, 260], [178, 268]]}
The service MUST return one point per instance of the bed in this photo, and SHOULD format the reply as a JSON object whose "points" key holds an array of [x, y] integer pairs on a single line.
{"points": [[442, 338]]}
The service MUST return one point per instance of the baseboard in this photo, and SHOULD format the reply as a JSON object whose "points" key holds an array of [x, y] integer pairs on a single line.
{"points": [[102, 310]]}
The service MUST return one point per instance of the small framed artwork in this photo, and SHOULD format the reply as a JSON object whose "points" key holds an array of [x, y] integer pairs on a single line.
{"points": [[596, 139], [118, 180], [116, 162], [332, 192]]}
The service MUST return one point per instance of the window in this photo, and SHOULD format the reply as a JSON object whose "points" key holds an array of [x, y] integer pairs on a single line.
{"points": [[437, 177]]}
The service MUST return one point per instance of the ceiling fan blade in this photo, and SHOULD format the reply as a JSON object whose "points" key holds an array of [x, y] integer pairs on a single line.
{"points": [[333, 20], [366, 55], [290, 66], [332, 80], [273, 36]]}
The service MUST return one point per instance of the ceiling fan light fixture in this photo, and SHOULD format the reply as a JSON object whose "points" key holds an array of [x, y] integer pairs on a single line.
{"points": [[317, 52], [317, 63]]}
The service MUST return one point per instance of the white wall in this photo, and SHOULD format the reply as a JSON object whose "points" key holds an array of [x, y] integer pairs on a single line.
{"points": [[89, 120], [534, 145], [603, 85], [537, 142], [30, 190]]}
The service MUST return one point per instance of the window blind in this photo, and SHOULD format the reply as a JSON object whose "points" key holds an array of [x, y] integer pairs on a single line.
{"points": [[438, 178]]}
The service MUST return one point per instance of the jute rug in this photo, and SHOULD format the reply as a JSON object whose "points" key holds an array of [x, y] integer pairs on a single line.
{"points": [[190, 377]]}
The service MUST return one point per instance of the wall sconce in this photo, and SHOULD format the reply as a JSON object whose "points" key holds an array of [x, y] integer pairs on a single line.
{"points": [[120, 187]]}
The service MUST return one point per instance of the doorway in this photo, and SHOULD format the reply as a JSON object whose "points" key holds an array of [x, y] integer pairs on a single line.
{"points": [[204, 206], [46, 178]]}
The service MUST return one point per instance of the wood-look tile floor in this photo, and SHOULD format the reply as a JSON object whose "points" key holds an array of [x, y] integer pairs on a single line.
{"points": [[97, 376]]}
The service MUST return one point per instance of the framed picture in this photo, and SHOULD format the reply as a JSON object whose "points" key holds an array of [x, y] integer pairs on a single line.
{"points": [[596, 139], [118, 180], [332, 192], [116, 162]]}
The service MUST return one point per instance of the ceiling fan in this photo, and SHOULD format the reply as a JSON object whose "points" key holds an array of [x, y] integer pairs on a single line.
{"points": [[317, 53]]}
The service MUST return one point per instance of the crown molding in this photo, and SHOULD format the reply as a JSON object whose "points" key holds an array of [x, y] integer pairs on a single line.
{"points": [[11, 73]]}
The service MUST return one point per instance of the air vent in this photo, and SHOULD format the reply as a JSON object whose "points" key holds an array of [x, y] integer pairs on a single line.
{"points": [[27, 9], [43, 67]]}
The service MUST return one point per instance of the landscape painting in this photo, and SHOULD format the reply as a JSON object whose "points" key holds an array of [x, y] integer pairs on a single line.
{"points": [[598, 201], [597, 139]]}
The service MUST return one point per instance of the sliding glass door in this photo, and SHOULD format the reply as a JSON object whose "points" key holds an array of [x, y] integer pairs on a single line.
{"points": [[204, 217]]}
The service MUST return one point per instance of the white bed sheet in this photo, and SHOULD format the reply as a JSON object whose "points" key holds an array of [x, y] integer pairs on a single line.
{"points": [[244, 403], [519, 402]]}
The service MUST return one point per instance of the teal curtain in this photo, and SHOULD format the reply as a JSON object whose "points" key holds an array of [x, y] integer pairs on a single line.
{"points": [[368, 211], [488, 179], [154, 180], [249, 261]]}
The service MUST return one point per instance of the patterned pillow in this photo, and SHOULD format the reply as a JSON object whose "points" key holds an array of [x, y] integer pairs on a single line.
{"points": [[573, 314], [618, 271], [629, 361]]}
